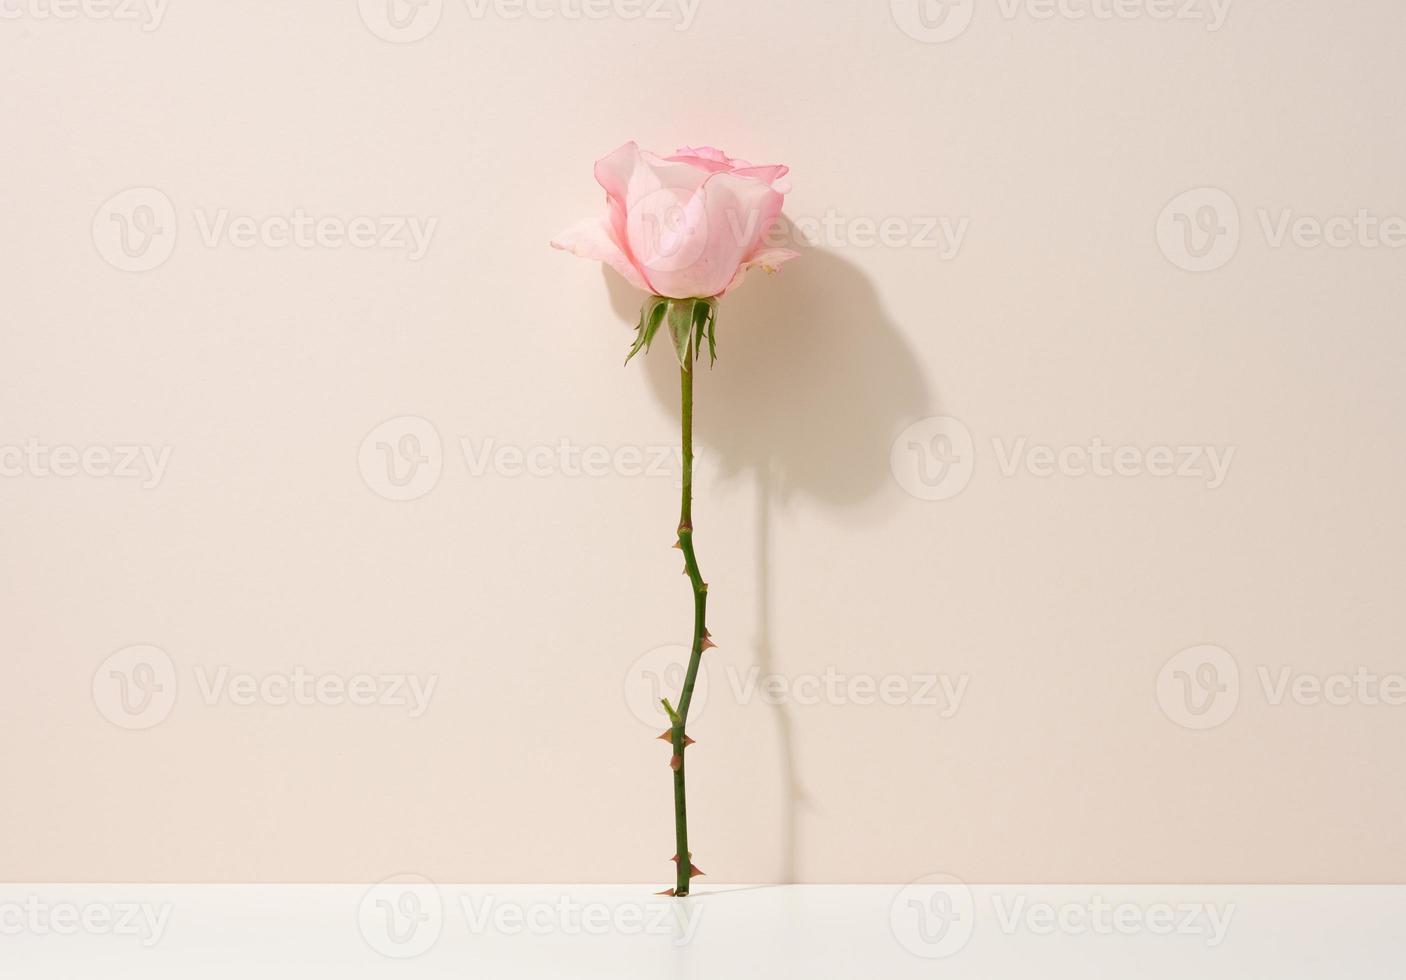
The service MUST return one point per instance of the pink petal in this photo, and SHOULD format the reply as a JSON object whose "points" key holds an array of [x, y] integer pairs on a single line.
{"points": [[701, 163], [647, 196], [629, 174], [682, 226], [706, 152], [594, 239], [717, 230], [768, 175], [768, 260], [712, 154]]}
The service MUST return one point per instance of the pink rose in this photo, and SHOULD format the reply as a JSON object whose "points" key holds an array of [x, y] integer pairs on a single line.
{"points": [[689, 225]]}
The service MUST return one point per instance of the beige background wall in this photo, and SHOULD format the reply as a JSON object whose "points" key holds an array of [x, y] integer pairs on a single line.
{"points": [[1016, 629]]}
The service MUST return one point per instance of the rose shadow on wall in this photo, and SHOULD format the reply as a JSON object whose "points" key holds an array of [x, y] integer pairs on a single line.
{"points": [[812, 385]]}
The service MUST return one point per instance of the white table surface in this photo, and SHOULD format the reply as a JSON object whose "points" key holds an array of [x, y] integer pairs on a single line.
{"points": [[408, 927]]}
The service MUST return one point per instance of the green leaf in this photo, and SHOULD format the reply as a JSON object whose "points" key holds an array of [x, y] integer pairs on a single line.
{"points": [[651, 315]]}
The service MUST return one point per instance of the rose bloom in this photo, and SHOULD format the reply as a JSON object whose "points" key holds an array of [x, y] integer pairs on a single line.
{"points": [[683, 226]]}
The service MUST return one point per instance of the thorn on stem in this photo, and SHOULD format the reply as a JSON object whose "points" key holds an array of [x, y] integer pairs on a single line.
{"points": [[708, 643], [693, 871]]}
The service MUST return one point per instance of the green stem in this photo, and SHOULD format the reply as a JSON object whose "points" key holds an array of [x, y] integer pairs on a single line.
{"points": [[700, 632]]}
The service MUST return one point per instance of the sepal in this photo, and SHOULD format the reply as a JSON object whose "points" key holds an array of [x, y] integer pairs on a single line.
{"points": [[691, 324], [651, 316]]}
